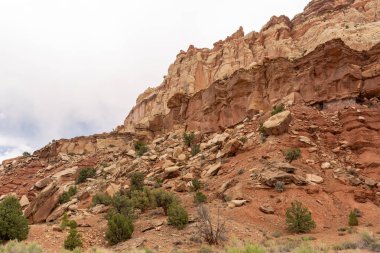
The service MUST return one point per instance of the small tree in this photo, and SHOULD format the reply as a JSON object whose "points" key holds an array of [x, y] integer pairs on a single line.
{"points": [[65, 222], [196, 185], [120, 229], [101, 198], [208, 231], [13, 225], [188, 139], [140, 148], [122, 204], [84, 174], [292, 154], [66, 196], [26, 154], [298, 218], [279, 186], [177, 216], [163, 199], [199, 198], [137, 181], [353, 219], [73, 240], [277, 109], [195, 149]]}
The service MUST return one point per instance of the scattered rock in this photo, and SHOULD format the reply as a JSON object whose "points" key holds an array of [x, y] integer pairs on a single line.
{"points": [[40, 184], [314, 178], [213, 169], [112, 189], [230, 148], [325, 165], [172, 172], [24, 201], [237, 202], [266, 208]]}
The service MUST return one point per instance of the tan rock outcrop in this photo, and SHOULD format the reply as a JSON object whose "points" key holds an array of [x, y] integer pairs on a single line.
{"points": [[356, 23]]}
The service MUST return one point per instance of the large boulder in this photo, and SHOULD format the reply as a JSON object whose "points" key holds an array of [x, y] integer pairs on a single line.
{"points": [[59, 211], [40, 184], [277, 124], [41, 207], [230, 148], [270, 177]]}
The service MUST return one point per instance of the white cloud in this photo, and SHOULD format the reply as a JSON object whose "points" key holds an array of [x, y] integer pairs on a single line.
{"points": [[76, 67]]}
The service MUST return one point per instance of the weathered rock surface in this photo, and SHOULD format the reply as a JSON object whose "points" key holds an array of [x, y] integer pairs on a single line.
{"points": [[356, 23]]}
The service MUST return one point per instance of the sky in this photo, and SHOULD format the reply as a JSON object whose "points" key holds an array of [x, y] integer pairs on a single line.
{"points": [[75, 67]]}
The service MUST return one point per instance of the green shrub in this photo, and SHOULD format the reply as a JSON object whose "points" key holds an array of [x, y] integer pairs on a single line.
{"points": [[13, 225], [277, 109], [137, 181], [353, 219], [195, 149], [19, 247], [142, 200], [120, 229], [196, 185], [66, 196], [123, 204], [177, 216], [73, 240], [292, 154], [199, 198], [243, 139], [84, 174], [279, 186], [163, 199], [65, 222], [298, 218], [26, 154], [101, 198], [188, 139], [140, 148]]}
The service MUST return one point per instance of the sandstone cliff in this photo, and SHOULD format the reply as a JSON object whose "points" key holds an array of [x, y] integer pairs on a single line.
{"points": [[356, 23]]}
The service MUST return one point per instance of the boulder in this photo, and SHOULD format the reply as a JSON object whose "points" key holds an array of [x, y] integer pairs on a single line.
{"points": [[181, 157], [213, 169], [59, 211], [230, 148], [234, 192], [112, 189], [270, 177], [218, 139], [314, 178], [172, 172], [66, 173], [237, 202], [266, 208], [41, 207], [325, 165], [99, 209], [167, 163], [24, 201], [277, 124], [40, 184], [286, 167]]}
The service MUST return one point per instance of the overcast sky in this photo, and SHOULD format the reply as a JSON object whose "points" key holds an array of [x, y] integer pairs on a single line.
{"points": [[75, 67]]}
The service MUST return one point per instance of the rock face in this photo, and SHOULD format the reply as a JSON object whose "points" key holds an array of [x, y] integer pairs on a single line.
{"points": [[331, 72], [39, 210], [201, 73]]}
